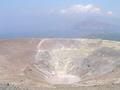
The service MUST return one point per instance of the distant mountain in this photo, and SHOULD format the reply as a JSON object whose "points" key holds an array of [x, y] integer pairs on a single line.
{"points": [[94, 27], [92, 24]]}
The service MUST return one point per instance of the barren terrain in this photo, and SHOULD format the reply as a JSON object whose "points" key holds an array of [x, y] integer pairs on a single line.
{"points": [[54, 63]]}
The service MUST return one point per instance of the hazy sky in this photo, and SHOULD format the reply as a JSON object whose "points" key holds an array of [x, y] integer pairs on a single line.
{"points": [[15, 6], [42, 16]]}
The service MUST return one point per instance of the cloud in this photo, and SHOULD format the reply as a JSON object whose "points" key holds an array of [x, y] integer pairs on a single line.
{"points": [[109, 12], [84, 9]]}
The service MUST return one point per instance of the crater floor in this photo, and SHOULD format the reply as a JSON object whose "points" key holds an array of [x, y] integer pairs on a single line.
{"points": [[55, 62]]}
